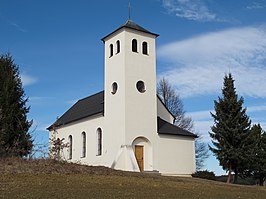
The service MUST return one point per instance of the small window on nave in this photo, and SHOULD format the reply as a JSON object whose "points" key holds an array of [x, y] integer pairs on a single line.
{"points": [[70, 141], [99, 141], [83, 150]]}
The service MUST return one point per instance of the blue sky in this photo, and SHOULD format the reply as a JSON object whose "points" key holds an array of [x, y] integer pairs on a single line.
{"points": [[58, 49]]}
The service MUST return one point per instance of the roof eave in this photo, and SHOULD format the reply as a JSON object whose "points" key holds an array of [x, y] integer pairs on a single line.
{"points": [[166, 133], [55, 126]]}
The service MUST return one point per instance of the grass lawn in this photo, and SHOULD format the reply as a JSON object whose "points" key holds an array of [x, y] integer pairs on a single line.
{"points": [[16, 181]]}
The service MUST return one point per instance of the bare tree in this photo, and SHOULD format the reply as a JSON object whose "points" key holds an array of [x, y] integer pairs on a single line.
{"points": [[56, 148], [175, 105], [56, 144], [201, 152]]}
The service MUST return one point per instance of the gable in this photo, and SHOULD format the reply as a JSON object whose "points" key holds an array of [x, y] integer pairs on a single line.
{"points": [[163, 112]]}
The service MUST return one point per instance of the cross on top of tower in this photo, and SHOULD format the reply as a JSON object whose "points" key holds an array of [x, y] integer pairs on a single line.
{"points": [[129, 10]]}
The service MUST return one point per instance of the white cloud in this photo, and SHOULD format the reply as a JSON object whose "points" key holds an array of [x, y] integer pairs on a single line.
{"points": [[256, 108], [18, 27], [199, 64], [204, 127], [42, 127], [12, 23], [72, 102], [27, 80], [202, 123], [40, 100], [190, 9], [200, 115], [263, 125], [256, 5], [35, 98], [203, 120], [38, 126]]}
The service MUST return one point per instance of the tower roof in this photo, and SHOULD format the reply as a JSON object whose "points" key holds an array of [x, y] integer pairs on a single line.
{"points": [[131, 25]]}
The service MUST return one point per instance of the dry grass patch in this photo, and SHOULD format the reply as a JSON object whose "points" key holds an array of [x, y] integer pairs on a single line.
{"points": [[63, 180]]}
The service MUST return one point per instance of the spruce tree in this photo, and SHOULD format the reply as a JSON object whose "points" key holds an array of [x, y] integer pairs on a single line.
{"points": [[231, 129], [14, 137], [258, 157]]}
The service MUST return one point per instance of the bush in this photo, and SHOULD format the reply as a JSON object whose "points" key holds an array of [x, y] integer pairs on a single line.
{"points": [[204, 174]]}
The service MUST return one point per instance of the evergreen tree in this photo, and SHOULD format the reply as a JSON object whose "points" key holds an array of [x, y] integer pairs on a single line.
{"points": [[231, 130], [14, 137], [258, 158]]}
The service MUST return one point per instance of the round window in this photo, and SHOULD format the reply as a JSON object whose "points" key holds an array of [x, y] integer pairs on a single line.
{"points": [[114, 88], [141, 86]]}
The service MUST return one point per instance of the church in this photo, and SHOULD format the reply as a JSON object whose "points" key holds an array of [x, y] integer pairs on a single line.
{"points": [[126, 126]]}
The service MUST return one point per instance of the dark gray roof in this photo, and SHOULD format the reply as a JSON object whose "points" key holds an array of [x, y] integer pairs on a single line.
{"points": [[94, 104], [165, 127], [131, 25], [83, 108]]}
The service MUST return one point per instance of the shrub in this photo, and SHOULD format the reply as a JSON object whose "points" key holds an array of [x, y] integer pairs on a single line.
{"points": [[204, 174]]}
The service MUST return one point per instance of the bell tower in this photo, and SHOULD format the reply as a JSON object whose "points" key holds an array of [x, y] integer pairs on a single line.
{"points": [[130, 108]]}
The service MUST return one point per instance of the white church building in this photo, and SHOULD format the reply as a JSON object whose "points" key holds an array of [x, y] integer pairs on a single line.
{"points": [[127, 126]]}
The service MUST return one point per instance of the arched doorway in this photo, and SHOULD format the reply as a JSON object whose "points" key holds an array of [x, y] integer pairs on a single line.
{"points": [[143, 153]]}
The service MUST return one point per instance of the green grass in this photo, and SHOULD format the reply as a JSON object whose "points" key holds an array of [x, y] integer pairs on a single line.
{"points": [[77, 181]]}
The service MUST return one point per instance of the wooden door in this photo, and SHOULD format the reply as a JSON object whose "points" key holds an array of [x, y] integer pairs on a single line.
{"points": [[139, 156]]}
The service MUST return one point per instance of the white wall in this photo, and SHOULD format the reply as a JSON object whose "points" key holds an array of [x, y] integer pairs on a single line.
{"points": [[163, 113], [114, 104], [176, 155], [89, 126]]}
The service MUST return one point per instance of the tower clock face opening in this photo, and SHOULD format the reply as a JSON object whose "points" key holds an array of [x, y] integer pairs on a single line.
{"points": [[114, 88], [141, 86]]}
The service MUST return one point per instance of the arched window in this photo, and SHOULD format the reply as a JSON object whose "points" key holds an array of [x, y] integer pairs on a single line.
{"points": [[117, 46], [111, 50], [134, 45], [145, 48], [83, 150], [99, 141], [70, 141]]}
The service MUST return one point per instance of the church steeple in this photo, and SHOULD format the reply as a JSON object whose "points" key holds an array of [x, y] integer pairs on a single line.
{"points": [[130, 81]]}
